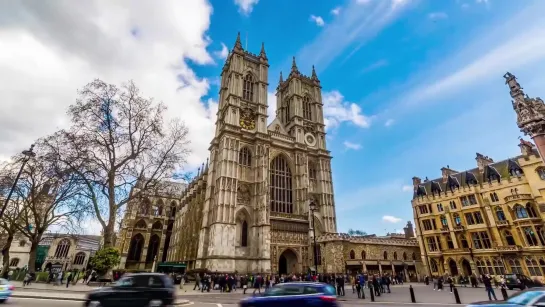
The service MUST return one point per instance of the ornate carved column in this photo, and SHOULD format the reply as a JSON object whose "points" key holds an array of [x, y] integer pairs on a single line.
{"points": [[530, 113]]}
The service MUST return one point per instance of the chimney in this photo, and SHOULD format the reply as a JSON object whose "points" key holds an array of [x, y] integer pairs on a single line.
{"points": [[526, 148], [483, 161], [447, 171], [409, 230]]}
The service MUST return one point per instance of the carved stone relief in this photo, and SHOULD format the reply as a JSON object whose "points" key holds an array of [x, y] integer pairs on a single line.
{"points": [[243, 194]]}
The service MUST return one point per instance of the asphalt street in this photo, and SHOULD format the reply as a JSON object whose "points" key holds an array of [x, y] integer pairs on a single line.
{"points": [[23, 302]]}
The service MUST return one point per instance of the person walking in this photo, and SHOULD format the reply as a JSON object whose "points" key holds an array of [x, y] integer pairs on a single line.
{"points": [[69, 278], [197, 282], [487, 281]]}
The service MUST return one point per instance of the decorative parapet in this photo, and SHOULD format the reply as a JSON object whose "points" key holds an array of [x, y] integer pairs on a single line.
{"points": [[367, 239], [517, 197]]}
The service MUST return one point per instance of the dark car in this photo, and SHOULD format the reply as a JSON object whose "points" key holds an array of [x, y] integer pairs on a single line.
{"points": [[134, 290], [532, 298], [298, 294], [520, 281]]}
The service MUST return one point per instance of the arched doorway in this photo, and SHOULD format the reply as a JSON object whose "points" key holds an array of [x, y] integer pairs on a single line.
{"points": [[453, 268], [287, 263], [466, 267]]}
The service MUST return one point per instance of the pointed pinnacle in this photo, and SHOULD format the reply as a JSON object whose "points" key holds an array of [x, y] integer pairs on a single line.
{"points": [[294, 66], [238, 44], [314, 76], [281, 78], [262, 53]]}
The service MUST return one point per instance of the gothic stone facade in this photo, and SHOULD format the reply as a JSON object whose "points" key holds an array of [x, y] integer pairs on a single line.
{"points": [[249, 209]]}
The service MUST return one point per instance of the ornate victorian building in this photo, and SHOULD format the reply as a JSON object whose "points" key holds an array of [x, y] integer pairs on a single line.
{"points": [[145, 234], [484, 220], [249, 208]]}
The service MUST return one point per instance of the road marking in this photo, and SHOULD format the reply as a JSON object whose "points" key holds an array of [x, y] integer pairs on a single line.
{"points": [[219, 305]]}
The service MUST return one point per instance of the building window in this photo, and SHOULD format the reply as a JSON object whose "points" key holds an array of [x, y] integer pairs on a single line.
{"points": [[22, 243], [444, 221], [432, 244], [541, 172], [307, 108], [463, 241], [423, 209], [318, 254], [245, 157], [481, 240], [413, 255], [62, 249], [404, 256], [533, 267], [473, 218], [363, 254], [395, 255], [135, 248], [79, 259], [450, 244], [499, 269], [499, 214], [433, 265], [385, 255], [531, 211], [352, 254], [520, 212], [469, 219], [509, 240], [494, 197], [141, 225], [452, 204], [515, 266], [14, 262], [530, 236], [248, 88], [427, 224], [483, 268], [244, 234], [144, 207], [312, 173], [281, 186], [457, 219], [440, 207]]}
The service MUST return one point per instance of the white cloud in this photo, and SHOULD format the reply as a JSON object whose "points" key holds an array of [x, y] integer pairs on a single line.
{"points": [[407, 188], [357, 26], [43, 64], [437, 15], [389, 122], [349, 145], [336, 11], [318, 20], [337, 111], [223, 53], [363, 1], [374, 66], [391, 219], [246, 6]]}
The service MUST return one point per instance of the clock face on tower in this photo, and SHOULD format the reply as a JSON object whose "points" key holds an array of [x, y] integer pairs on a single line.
{"points": [[247, 119]]}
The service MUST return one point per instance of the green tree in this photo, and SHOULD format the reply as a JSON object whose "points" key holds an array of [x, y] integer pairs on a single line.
{"points": [[105, 259], [353, 232]]}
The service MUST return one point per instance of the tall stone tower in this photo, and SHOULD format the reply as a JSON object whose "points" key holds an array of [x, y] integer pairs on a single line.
{"points": [[530, 113], [261, 178]]}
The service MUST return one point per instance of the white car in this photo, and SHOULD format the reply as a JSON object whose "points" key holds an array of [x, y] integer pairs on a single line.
{"points": [[5, 290]]}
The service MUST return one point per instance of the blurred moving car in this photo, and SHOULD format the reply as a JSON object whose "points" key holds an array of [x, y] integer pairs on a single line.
{"points": [[532, 297], [134, 290], [294, 294], [5, 290], [520, 281]]}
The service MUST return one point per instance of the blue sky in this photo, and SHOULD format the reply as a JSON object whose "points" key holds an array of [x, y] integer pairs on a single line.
{"points": [[409, 86], [427, 76]]}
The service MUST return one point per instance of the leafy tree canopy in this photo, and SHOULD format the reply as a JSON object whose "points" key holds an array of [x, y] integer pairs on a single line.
{"points": [[105, 259]]}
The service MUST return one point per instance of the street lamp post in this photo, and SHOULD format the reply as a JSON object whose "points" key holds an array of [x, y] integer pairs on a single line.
{"points": [[27, 155], [313, 208]]}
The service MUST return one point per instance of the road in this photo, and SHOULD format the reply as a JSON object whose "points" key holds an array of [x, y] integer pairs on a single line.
{"points": [[24, 302]]}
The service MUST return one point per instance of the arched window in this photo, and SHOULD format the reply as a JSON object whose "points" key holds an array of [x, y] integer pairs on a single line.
{"points": [[173, 209], [413, 256], [541, 235], [153, 248], [135, 248], [542, 265], [433, 265], [244, 234], [141, 225], [385, 255], [457, 219], [14, 262], [494, 197], [248, 88], [363, 255], [281, 186], [530, 236], [515, 266], [245, 157], [22, 243], [62, 248], [444, 220], [509, 240], [499, 214], [541, 172], [312, 173], [79, 259], [520, 212], [530, 210], [498, 267], [463, 241], [404, 256], [144, 207], [287, 112], [395, 255], [307, 108], [157, 226], [533, 267], [352, 254]]}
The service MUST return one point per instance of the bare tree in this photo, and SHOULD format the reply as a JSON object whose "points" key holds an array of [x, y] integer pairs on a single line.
{"points": [[118, 141], [8, 222], [47, 195]]}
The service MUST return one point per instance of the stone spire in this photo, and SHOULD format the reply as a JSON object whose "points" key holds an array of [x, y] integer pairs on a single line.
{"points": [[238, 44], [207, 164], [530, 111], [514, 87], [314, 76], [262, 54], [281, 78], [198, 172], [294, 68], [202, 167]]}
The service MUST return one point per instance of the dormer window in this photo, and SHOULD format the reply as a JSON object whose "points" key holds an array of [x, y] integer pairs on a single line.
{"points": [[514, 169], [248, 88]]}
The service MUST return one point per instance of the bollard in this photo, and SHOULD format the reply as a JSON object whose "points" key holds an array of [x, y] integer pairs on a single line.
{"points": [[457, 296], [372, 293], [504, 294], [411, 290]]}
